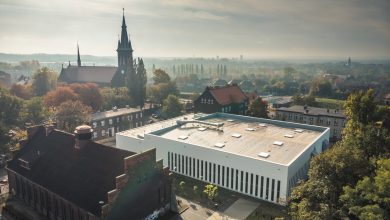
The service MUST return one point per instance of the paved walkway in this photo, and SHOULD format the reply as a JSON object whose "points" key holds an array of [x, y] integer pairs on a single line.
{"points": [[240, 209], [194, 212]]}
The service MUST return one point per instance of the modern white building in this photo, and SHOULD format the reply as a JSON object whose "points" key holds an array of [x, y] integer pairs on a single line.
{"points": [[257, 157]]}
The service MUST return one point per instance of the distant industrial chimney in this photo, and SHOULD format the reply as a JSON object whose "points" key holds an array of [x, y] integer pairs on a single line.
{"points": [[83, 134]]}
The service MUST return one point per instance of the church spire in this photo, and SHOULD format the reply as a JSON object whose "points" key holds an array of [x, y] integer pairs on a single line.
{"points": [[78, 55], [125, 51]]}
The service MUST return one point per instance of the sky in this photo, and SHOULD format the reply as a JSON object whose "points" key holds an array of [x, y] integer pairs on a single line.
{"points": [[200, 28]]}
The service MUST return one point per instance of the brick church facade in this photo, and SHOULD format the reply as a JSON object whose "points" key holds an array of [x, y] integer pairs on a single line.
{"points": [[103, 75]]}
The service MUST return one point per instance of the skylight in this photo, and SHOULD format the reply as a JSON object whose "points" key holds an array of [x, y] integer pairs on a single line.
{"points": [[230, 120], [298, 130], [288, 135], [263, 154], [249, 129], [220, 145], [202, 129], [262, 125], [236, 135], [279, 143], [182, 137]]}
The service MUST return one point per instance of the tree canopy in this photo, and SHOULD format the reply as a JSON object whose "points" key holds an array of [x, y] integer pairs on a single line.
{"points": [[337, 176], [71, 114], [44, 80], [258, 108], [172, 107]]}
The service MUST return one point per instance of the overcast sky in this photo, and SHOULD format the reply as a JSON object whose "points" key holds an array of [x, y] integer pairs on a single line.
{"points": [[196, 28]]}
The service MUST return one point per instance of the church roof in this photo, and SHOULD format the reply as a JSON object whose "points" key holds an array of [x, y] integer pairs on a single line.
{"points": [[83, 177], [83, 74]]}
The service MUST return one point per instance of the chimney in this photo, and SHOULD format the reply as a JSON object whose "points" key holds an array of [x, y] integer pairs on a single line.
{"points": [[83, 134], [327, 110], [49, 128], [307, 111]]}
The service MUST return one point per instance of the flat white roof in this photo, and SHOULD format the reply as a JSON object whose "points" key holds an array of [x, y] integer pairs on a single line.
{"points": [[235, 137]]}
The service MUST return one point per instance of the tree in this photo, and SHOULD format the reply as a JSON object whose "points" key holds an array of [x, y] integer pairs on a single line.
{"points": [[345, 164], [60, 95], [370, 198], [195, 189], [172, 107], [258, 108], [71, 114], [21, 91], [44, 80], [160, 76], [34, 111], [181, 185], [160, 91], [89, 94], [142, 79], [10, 108], [211, 191], [115, 97]]}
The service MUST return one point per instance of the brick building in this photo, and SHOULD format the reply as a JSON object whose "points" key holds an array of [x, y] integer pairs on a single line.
{"points": [[227, 99], [333, 118], [68, 176], [106, 124]]}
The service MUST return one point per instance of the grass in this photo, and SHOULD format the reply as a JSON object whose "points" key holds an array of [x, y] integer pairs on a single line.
{"points": [[330, 103]]}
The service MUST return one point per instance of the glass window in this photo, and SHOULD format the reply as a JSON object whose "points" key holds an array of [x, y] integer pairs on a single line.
{"points": [[261, 186], [257, 186], [267, 189], [278, 192], [110, 121], [94, 124], [272, 189], [103, 133], [102, 123], [94, 135]]}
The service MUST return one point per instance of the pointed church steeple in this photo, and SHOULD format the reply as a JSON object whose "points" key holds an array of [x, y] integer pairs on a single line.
{"points": [[78, 55], [125, 51]]}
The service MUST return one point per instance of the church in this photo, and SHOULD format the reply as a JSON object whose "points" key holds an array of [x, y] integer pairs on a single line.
{"points": [[103, 75]]}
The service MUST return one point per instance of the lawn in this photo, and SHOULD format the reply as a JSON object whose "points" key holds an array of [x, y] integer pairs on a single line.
{"points": [[330, 103]]}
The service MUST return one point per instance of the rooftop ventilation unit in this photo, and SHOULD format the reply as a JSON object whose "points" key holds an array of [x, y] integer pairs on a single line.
{"points": [[263, 154], [236, 135], [279, 143], [182, 137], [140, 136], [288, 135], [249, 129], [230, 120], [298, 130], [262, 125], [202, 129], [219, 145]]}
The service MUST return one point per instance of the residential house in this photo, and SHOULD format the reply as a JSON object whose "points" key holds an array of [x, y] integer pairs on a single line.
{"points": [[227, 99]]}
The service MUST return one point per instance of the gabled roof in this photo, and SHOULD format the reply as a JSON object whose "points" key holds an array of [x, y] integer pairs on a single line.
{"points": [[83, 74], [82, 177], [228, 94], [219, 82]]}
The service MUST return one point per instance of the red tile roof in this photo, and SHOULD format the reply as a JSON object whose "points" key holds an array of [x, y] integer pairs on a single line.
{"points": [[228, 94]]}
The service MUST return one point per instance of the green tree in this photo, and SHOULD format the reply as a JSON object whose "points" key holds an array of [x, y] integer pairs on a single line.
{"points": [[34, 111], [211, 191], [115, 97], [370, 198], [172, 107], [44, 80], [258, 108], [160, 76], [10, 108], [161, 91], [71, 114], [181, 186], [142, 79]]}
